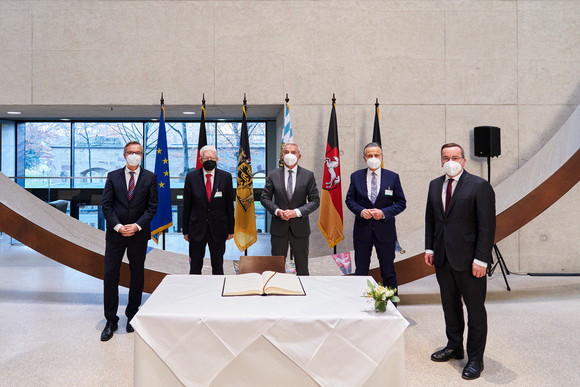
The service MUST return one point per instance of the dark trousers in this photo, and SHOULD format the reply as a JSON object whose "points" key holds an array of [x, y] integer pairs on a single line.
{"points": [[298, 246], [116, 245], [385, 255], [197, 253], [453, 286]]}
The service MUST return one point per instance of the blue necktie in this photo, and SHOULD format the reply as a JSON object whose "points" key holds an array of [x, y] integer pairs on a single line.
{"points": [[374, 188]]}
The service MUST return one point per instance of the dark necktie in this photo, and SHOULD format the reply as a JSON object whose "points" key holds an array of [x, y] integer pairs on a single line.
{"points": [[289, 186], [374, 188], [131, 185], [208, 186], [448, 194]]}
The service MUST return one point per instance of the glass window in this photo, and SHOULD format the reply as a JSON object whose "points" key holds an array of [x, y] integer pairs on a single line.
{"points": [[46, 154], [182, 138], [228, 139], [99, 149]]}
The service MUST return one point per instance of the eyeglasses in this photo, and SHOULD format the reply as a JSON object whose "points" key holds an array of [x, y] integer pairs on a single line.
{"points": [[134, 153], [454, 158], [208, 159]]}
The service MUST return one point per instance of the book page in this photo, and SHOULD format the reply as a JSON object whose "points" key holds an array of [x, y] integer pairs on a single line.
{"points": [[242, 284], [283, 283]]}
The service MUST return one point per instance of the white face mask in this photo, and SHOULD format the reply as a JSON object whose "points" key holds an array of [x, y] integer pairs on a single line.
{"points": [[452, 168], [133, 160], [290, 159], [373, 163]]}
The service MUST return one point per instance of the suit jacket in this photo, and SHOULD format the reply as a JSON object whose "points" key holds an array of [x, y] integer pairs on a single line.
{"points": [[201, 214], [118, 209], [305, 198], [468, 230], [390, 200]]}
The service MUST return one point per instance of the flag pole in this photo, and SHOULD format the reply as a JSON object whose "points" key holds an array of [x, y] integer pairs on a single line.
{"points": [[164, 231], [246, 113], [333, 103]]}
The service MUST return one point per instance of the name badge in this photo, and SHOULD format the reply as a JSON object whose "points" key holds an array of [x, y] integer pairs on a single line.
{"points": [[388, 192], [218, 194]]}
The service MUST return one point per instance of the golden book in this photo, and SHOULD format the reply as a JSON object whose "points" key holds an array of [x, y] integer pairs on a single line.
{"points": [[267, 283]]}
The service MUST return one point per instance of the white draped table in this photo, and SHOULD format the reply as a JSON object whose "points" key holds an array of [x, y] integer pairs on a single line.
{"points": [[188, 334]]}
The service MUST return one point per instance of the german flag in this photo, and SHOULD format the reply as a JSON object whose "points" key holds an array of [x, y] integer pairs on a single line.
{"points": [[330, 220], [377, 129], [202, 139]]}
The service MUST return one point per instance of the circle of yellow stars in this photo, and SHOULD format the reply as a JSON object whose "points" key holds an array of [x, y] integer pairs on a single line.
{"points": [[166, 173]]}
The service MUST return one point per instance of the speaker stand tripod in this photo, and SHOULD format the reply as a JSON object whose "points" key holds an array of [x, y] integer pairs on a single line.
{"points": [[499, 258]]}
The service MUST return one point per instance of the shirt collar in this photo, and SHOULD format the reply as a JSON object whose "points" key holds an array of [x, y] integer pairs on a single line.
{"points": [[127, 170], [456, 178], [286, 169]]}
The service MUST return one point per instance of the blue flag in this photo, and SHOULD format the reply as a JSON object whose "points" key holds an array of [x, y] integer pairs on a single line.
{"points": [[286, 133], [163, 218]]}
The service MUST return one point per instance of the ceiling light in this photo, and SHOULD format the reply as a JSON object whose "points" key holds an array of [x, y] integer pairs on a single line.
{"points": [[15, 113], [189, 113]]}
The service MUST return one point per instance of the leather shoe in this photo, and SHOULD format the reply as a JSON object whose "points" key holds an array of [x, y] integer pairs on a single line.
{"points": [[110, 327], [472, 370], [130, 328], [447, 353]]}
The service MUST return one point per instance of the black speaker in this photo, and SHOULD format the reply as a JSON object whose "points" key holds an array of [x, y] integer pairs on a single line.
{"points": [[487, 141]]}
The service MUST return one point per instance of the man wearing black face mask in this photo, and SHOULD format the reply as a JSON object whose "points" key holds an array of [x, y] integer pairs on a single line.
{"points": [[208, 212]]}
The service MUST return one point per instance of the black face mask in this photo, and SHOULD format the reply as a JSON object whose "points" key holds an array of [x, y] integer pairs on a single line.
{"points": [[209, 165]]}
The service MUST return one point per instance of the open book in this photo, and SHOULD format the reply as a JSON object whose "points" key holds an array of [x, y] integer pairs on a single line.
{"points": [[269, 282]]}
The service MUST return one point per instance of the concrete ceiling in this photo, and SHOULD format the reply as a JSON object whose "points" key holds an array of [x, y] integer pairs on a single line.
{"points": [[126, 112]]}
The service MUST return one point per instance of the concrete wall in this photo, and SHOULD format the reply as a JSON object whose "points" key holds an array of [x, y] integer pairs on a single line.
{"points": [[439, 68]]}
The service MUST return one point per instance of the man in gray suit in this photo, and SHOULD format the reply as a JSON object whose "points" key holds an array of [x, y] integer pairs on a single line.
{"points": [[290, 195]]}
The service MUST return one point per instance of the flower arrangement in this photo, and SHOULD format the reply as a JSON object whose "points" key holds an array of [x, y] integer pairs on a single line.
{"points": [[380, 294]]}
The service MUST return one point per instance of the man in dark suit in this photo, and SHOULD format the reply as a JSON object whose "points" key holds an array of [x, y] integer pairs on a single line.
{"points": [[459, 236], [290, 195], [375, 197], [129, 204], [208, 212]]}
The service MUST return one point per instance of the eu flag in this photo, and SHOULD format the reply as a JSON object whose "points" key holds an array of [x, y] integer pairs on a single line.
{"points": [[163, 219]]}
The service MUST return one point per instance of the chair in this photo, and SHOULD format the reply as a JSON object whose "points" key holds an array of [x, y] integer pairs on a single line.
{"points": [[259, 264]]}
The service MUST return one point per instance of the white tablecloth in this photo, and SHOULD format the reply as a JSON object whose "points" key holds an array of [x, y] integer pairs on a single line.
{"points": [[332, 334]]}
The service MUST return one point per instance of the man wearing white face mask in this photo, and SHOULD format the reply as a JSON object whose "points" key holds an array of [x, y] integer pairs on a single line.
{"points": [[129, 204], [290, 195], [375, 197], [459, 236]]}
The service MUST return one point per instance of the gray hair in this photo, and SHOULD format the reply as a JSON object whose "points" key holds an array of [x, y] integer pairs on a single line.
{"points": [[292, 143], [372, 145], [207, 148]]}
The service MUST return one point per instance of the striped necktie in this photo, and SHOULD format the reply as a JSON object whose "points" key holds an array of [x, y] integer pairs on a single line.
{"points": [[374, 188], [131, 185]]}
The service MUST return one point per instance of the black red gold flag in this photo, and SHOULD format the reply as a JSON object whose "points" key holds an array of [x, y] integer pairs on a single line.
{"points": [[202, 139]]}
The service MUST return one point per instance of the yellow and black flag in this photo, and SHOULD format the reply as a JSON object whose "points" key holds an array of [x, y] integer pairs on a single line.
{"points": [[245, 233], [377, 129]]}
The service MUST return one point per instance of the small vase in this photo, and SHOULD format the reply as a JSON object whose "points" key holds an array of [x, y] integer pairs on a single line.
{"points": [[380, 306]]}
